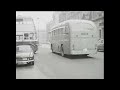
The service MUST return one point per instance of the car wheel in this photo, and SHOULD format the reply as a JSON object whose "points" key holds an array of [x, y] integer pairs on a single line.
{"points": [[32, 63]]}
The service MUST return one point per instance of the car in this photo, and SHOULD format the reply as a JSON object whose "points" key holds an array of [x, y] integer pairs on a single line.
{"points": [[100, 46], [24, 54]]}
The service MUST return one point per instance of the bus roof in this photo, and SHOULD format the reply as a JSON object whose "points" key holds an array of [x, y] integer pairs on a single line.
{"points": [[74, 21]]}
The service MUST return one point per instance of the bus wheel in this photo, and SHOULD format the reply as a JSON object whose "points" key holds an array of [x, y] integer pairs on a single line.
{"points": [[62, 51], [52, 48]]}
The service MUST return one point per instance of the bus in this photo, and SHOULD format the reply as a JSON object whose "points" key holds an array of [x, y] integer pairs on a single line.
{"points": [[26, 33], [74, 37]]}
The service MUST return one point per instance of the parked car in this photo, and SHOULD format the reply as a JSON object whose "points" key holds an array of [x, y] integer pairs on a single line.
{"points": [[24, 54], [100, 45]]}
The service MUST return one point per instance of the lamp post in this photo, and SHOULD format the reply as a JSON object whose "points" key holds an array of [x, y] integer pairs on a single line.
{"points": [[38, 28]]}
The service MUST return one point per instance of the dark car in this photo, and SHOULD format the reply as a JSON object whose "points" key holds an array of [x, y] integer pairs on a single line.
{"points": [[24, 54], [100, 45]]}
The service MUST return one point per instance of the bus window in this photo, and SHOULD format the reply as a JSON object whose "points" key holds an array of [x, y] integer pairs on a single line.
{"points": [[58, 31], [61, 30], [26, 36], [54, 32], [17, 37], [21, 37], [31, 36], [66, 30]]}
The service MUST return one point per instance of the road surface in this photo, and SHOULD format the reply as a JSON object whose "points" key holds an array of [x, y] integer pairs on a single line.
{"points": [[53, 66]]}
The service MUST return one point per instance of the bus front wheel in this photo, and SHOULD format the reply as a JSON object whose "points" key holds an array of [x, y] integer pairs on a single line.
{"points": [[52, 48]]}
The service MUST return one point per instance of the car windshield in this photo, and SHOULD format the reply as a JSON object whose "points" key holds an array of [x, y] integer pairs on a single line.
{"points": [[23, 48]]}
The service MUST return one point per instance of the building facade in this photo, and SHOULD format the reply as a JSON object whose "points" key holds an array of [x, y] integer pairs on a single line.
{"points": [[48, 27], [42, 36], [95, 16]]}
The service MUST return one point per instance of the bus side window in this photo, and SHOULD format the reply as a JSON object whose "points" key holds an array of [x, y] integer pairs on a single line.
{"points": [[31, 36], [26, 36], [61, 30], [17, 37], [54, 32], [66, 30], [58, 31], [20, 37]]}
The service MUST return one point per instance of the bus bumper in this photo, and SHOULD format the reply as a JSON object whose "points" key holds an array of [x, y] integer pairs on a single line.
{"points": [[78, 52]]}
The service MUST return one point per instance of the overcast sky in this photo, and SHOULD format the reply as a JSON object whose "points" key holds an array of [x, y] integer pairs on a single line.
{"points": [[44, 17]]}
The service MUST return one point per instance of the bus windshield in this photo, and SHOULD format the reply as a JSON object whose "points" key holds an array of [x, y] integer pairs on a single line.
{"points": [[82, 27]]}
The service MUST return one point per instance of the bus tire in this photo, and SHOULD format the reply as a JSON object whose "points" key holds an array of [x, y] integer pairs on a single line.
{"points": [[62, 51], [52, 48]]}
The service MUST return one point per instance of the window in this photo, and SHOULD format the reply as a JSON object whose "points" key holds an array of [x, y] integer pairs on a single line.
{"points": [[21, 37], [17, 37], [23, 48], [54, 32], [61, 30], [26, 36], [31, 36], [66, 30]]}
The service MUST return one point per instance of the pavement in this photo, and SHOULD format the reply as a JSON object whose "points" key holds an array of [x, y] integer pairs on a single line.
{"points": [[49, 65]]}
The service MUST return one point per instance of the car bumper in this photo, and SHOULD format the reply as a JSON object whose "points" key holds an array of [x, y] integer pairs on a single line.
{"points": [[24, 62]]}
